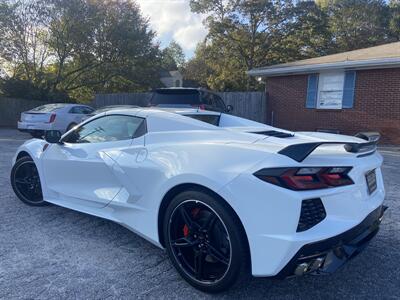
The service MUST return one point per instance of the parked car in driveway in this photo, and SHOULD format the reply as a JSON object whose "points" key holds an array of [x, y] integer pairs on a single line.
{"points": [[189, 97], [226, 197], [56, 116]]}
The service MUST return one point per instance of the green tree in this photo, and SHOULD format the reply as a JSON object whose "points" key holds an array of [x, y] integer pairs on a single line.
{"points": [[307, 35], [111, 50], [212, 67], [356, 24], [172, 57], [78, 47], [394, 22], [197, 69], [239, 33], [245, 34], [24, 50]]}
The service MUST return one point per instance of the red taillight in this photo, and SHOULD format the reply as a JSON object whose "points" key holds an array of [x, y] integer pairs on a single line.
{"points": [[309, 178], [337, 179], [52, 118], [302, 182]]}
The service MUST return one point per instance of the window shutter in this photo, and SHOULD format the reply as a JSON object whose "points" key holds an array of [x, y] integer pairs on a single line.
{"points": [[312, 91], [348, 89]]}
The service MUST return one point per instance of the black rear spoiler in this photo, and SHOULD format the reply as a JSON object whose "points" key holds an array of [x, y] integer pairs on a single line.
{"points": [[300, 152]]}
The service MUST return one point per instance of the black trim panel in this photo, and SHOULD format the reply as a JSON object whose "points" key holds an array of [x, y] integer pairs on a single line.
{"points": [[339, 249], [300, 152]]}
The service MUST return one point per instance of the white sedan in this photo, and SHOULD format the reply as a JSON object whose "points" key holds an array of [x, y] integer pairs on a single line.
{"points": [[56, 116], [225, 196]]}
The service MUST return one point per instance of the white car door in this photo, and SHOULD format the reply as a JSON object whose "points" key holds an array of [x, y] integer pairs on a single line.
{"points": [[78, 171]]}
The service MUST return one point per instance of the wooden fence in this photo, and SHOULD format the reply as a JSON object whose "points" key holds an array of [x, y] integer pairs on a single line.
{"points": [[140, 99], [11, 108], [250, 105]]}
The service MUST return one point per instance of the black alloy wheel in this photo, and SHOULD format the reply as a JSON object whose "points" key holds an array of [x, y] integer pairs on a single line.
{"points": [[202, 248], [200, 241], [25, 182]]}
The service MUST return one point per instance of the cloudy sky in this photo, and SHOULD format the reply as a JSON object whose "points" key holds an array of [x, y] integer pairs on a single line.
{"points": [[173, 20]]}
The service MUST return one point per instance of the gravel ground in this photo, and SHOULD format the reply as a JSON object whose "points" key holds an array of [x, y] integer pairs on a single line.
{"points": [[55, 253]]}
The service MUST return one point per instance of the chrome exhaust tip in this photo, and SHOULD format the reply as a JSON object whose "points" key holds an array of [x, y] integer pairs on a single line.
{"points": [[311, 266], [301, 269], [317, 264]]}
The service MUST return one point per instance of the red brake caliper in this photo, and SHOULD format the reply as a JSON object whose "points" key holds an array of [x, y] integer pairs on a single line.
{"points": [[185, 230], [194, 212]]}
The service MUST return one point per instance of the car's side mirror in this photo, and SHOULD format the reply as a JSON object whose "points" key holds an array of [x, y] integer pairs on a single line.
{"points": [[229, 108], [52, 136]]}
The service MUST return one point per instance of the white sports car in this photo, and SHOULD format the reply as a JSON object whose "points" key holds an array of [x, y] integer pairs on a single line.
{"points": [[225, 196]]}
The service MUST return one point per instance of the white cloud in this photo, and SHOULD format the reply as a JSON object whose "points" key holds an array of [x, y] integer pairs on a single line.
{"points": [[172, 19], [189, 36]]}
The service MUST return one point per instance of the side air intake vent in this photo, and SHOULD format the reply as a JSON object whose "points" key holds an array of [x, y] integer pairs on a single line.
{"points": [[275, 133], [312, 212]]}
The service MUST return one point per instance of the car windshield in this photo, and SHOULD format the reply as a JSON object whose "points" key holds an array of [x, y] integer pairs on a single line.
{"points": [[48, 107], [182, 97], [210, 119]]}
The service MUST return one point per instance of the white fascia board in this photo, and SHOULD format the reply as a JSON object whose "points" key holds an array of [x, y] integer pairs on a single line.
{"points": [[359, 64]]}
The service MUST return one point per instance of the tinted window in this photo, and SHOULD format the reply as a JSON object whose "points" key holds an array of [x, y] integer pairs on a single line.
{"points": [[213, 102], [210, 119], [207, 99], [87, 110], [106, 129], [182, 97], [48, 107], [84, 110], [219, 103]]}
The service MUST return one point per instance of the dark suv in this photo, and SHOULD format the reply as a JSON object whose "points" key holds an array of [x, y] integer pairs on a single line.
{"points": [[189, 97]]}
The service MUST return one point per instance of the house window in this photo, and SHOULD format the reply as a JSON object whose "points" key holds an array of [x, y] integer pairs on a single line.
{"points": [[330, 90]]}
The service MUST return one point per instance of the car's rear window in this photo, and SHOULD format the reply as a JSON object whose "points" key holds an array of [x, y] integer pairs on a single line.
{"points": [[210, 119], [163, 98], [48, 107]]}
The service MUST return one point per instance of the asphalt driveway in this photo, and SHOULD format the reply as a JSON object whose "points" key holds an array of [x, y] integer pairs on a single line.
{"points": [[55, 253]]}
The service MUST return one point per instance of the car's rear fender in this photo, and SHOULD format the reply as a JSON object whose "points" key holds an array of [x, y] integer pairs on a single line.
{"points": [[270, 214]]}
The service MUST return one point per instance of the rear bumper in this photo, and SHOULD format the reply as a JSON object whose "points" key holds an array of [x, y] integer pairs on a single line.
{"points": [[31, 127], [270, 214], [328, 255], [31, 130]]}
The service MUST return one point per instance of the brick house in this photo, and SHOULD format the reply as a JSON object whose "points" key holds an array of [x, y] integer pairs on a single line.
{"points": [[346, 93]]}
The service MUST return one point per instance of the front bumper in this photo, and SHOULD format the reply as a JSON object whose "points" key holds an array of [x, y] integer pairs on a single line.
{"points": [[328, 255]]}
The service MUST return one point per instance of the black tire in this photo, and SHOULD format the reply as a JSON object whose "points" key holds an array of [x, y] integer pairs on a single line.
{"points": [[70, 126], [25, 182], [216, 275], [37, 134]]}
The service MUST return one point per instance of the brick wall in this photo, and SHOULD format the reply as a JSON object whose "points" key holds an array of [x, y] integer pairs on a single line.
{"points": [[376, 105]]}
